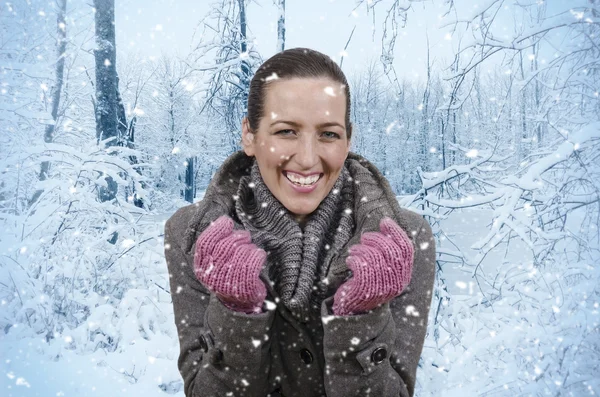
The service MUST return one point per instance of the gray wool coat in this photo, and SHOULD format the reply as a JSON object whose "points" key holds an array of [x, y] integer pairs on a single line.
{"points": [[228, 353]]}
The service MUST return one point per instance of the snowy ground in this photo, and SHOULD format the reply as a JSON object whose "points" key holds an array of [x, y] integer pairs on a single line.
{"points": [[464, 228], [28, 372], [149, 367]]}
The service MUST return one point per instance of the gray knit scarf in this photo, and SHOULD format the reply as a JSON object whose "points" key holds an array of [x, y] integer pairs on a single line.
{"points": [[297, 260]]}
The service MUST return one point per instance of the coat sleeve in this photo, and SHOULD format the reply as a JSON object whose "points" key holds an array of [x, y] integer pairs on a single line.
{"points": [[377, 353], [222, 352]]}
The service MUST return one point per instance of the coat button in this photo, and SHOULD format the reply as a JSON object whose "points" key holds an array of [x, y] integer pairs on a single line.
{"points": [[306, 356], [216, 357], [379, 355], [203, 343], [276, 393]]}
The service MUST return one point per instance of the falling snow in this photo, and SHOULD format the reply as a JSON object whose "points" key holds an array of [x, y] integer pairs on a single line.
{"points": [[499, 158]]}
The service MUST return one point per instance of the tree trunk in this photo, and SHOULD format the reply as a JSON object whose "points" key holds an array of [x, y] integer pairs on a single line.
{"points": [[121, 117], [106, 84], [189, 180], [245, 69], [423, 146], [56, 89], [281, 26], [523, 136], [534, 65], [130, 137]]}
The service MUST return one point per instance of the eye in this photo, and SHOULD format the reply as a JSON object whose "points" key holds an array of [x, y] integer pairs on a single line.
{"points": [[332, 134]]}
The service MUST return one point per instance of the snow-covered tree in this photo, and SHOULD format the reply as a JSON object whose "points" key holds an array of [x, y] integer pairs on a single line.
{"points": [[230, 66], [280, 25]]}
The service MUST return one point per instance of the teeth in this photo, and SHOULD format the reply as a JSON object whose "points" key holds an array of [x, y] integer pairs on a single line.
{"points": [[302, 181]]}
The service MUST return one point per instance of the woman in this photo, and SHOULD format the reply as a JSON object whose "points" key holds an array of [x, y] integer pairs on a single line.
{"points": [[298, 274]]}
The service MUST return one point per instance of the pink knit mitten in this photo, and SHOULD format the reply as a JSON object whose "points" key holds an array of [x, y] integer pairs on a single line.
{"points": [[228, 264], [381, 265]]}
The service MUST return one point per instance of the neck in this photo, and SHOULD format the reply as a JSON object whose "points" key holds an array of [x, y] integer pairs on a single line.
{"points": [[301, 219]]}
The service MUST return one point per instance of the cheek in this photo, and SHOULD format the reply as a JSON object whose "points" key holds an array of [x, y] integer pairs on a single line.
{"points": [[274, 153], [336, 155], [278, 151]]}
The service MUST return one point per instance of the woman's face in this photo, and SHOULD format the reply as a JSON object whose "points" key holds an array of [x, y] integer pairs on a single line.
{"points": [[302, 132]]}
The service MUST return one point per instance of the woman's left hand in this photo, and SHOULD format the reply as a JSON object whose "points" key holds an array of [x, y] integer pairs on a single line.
{"points": [[381, 265]]}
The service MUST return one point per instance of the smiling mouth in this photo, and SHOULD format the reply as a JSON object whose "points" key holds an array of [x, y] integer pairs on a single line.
{"points": [[302, 184]]}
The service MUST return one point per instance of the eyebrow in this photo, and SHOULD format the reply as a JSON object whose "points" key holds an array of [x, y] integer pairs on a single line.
{"points": [[292, 123]]}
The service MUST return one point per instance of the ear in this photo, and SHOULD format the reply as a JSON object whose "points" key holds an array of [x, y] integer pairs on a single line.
{"points": [[247, 138]]}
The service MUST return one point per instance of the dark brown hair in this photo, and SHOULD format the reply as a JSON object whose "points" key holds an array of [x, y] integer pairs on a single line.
{"points": [[293, 63]]}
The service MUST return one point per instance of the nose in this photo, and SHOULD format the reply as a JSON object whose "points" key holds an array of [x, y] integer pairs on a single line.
{"points": [[307, 155]]}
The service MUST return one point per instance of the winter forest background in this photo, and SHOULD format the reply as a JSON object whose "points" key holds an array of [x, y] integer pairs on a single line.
{"points": [[494, 137]]}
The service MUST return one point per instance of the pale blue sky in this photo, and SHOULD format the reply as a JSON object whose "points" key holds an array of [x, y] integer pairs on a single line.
{"points": [[152, 27]]}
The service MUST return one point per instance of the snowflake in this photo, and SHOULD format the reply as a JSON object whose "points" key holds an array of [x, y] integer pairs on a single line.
{"points": [[327, 319], [270, 305], [411, 310]]}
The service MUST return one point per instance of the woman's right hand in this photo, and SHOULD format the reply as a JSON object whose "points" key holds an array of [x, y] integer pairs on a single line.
{"points": [[228, 264]]}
